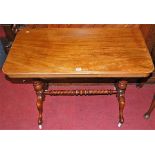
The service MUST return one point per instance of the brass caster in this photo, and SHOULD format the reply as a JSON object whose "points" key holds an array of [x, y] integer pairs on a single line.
{"points": [[40, 126], [146, 116], [120, 124]]}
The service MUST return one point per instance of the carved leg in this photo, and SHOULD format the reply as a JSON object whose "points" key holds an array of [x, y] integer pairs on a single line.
{"points": [[121, 87], [152, 106], [39, 87]]}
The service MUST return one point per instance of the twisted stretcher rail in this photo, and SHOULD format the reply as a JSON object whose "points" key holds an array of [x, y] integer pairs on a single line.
{"points": [[79, 92]]}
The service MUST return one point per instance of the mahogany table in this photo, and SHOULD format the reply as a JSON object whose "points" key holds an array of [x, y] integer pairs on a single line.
{"points": [[46, 53]]}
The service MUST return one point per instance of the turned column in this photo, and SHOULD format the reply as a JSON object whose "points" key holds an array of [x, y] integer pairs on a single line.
{"points": [[121, 87], [40, 87], [152, 106]]}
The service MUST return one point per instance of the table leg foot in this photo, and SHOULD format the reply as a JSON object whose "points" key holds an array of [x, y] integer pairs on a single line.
{"points": [[40, 126], [39, 87], [120, 124], [121, 87], [146, 116], [151, 108]]}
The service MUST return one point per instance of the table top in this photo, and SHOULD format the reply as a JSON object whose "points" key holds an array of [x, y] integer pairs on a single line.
{"points": [[78, 52]]}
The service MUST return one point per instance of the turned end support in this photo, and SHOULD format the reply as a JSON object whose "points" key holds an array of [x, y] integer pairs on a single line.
{"points": [[121, 87], [39, 87]]}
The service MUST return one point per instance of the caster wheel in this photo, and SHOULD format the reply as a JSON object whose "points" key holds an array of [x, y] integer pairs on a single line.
{"points": [[146, 116], [119, 124], [40, 126]]}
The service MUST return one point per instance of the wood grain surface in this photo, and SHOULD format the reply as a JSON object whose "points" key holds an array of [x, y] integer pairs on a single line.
{"points": [[81, 25], [76, 52]]}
